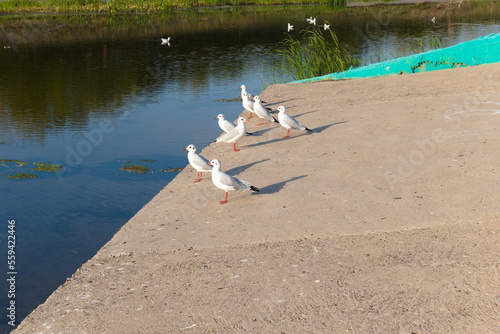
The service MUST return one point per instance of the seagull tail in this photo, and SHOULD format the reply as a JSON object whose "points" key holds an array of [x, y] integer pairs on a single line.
{"points": [[307, 129], [254, 188], [274, 119], [250, 133]]}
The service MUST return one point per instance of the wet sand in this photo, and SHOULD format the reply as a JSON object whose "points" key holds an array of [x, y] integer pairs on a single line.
{"points": [[384, 219]]}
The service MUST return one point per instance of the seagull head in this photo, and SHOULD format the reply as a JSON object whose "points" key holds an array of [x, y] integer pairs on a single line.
{"points": [[190, 148], [215, 163], [242, 120], [256, 98], [281, 109], [220, 116]]}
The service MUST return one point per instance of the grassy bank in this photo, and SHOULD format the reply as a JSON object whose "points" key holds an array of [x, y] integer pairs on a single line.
{"points": [[118, 6]]}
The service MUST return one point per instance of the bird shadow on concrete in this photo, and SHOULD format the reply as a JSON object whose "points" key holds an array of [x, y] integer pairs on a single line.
{"points": [[277, 103], [239, 169], [260, 132], [276, 187], [320, 129]]}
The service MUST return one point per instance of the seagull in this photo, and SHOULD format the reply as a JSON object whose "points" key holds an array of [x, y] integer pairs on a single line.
{"points": [[235, 134], [311, 20], [244, 90], [326, 26], [247, 103], [290, 27], [288, 122], [224, 124], [165, 41], [227, 182], [197, 162], [262, 111]]}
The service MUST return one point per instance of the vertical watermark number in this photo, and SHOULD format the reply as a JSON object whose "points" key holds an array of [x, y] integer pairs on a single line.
{"points": [[11, 272]]}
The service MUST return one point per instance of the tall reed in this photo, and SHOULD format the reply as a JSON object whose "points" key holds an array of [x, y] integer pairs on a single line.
{"points": [[317, 53]]}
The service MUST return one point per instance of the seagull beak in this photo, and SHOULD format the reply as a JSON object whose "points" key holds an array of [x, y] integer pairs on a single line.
{"points": [[209, 163], [185, 149], [215, 117]]}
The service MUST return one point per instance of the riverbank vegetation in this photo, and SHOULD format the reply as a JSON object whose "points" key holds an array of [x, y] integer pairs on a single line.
{"points": [[314, 53], [118, 6]]}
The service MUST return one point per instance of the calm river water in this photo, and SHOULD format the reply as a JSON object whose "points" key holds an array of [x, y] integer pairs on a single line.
{"points": [[96, 92]]}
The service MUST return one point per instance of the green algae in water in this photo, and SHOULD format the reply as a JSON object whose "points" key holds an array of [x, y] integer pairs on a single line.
{"points": [[46, 167], [169, 170], [140, 169], [19, 162], [236, 99], [22, 176]]}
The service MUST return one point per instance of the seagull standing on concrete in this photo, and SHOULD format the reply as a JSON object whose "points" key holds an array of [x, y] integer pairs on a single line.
{"points": [[224, 124], [227, 182], [197, 162], [262, 111], [235, 134], [289, 122], [247, 103], [244, 91]]}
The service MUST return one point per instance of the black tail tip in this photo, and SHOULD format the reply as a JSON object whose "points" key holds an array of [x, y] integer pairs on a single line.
{"points": [[250, 133], [307, 129], [254, 188]]}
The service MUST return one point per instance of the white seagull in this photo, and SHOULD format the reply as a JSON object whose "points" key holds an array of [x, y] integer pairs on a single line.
{"points": [[235, 134], [244, 91], [224, 124], [197, 162], [262, 111], [227, 182], [247, 103], [312, 20], [288, 122], [290, 27], [165, 41]]}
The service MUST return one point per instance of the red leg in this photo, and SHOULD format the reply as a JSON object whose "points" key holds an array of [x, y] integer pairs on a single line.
{"points": [[234, 147], [251, 114], [199, 177], [261, 121], [287, 133], [224, 201]]}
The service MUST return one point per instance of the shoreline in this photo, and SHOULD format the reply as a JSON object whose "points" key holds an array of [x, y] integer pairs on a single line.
{"points": [[388, 210]]}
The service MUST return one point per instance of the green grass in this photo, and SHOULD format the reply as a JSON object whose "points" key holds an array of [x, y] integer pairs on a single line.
{"points": [[116, 6], [315, 53]]}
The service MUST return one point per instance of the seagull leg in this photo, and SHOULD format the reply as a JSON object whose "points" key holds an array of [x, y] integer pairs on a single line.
{"points": [[287, 133], [261, 121], [199, 177], [251, 114], [234, 147], [224, 201]]}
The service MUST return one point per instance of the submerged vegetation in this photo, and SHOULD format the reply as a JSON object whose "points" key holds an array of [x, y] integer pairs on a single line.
{"points": [[116, 6], [316, 53], [22, 176], [46, 167], [135, 168]]}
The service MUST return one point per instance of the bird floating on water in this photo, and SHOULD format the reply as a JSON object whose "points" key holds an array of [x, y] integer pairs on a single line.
{"points": [[227, 182], [197, 162], [433, 19], [165, 41], [288, 122], [290, 27], [235, 134]]}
